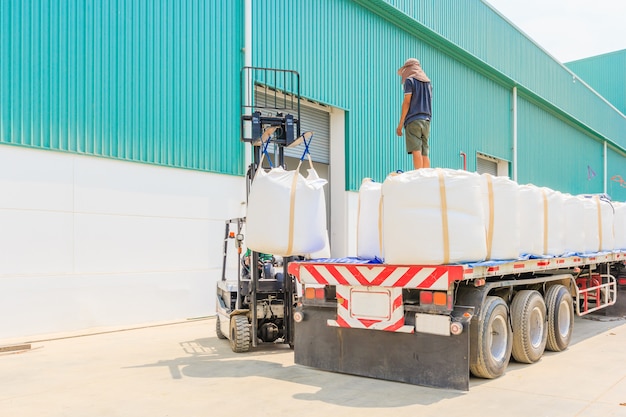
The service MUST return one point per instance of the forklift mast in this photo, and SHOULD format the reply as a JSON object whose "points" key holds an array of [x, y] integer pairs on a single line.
{"points": [[270, 111]]}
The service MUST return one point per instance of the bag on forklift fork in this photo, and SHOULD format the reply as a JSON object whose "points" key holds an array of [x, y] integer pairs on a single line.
{"points": [[286, 212]]}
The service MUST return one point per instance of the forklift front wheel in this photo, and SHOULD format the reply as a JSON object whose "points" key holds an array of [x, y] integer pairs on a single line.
{"points": [[239, 334]]}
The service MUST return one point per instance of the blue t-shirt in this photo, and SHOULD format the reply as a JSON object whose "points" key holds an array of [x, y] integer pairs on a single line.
{"points": [[421, 100]]}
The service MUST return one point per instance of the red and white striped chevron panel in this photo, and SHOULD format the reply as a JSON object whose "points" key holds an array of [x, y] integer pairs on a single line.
{"points": [[378, 275], [370, 308]]}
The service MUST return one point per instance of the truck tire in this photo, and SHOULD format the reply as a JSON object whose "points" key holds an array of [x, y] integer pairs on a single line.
{"points": [[528, 316], [492, 350], [560, 318], [218, 329], [239, 334]]}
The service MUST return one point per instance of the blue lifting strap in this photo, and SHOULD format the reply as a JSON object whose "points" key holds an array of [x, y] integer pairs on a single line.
{"points": [[306, 147], [265, 145]]}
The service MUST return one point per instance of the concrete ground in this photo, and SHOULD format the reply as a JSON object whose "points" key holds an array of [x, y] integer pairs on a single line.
{"points": [[182, 369]]}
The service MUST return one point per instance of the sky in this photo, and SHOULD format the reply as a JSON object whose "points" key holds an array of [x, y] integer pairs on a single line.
{"points": [[569, 29]]}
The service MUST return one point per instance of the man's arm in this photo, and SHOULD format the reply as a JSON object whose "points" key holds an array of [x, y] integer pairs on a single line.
{"points": [[406, 103]]}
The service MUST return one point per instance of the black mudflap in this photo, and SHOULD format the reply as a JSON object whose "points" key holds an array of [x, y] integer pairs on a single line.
{"points": [[420, 359]]}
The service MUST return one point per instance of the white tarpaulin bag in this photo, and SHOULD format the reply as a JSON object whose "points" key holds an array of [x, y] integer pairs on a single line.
{"points": [[369, 220], [554, 222], [501, 205], [619, 225], [598, 224], [286, 212], [574, 231], [433, 216], [531, 220]]}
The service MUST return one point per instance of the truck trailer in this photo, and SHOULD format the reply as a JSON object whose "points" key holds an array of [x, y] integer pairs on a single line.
{"points": [[434, 325]]}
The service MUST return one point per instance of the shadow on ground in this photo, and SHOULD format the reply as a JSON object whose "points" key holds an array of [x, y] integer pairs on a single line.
{"points": [[213, 358]]}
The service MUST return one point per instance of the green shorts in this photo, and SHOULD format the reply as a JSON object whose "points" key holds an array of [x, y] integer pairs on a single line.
{"points": [[416, 136]]}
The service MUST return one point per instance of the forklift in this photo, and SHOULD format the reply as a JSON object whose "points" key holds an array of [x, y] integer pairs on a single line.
{"points": [[257, 306]]}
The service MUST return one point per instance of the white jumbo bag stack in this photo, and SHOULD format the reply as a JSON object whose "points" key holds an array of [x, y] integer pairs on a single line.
{"points": [[554, 222], [369, 220], [501, 204], [531, 220], [574, 232], [598, 224], [619, 226], [432, 217], [286, 212]]}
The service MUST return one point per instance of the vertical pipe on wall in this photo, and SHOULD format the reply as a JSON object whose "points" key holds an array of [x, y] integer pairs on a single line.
{"points": [[247, 62], [605, 158], [514, 173]]}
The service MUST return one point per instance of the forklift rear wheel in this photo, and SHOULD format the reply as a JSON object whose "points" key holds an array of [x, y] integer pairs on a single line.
{"points": [[239, 334], [218, 329]]}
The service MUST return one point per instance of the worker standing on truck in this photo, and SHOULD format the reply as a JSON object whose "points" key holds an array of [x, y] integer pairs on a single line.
{"points": [[416, 111]]}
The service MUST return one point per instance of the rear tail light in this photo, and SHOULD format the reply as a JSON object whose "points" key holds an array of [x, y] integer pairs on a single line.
{"points": [[312, 293], [438, 298], [621, 281], [426, 297]]}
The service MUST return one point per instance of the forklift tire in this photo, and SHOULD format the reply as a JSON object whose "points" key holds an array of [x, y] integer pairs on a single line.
{"points": [[218, 330], [239, 334]]}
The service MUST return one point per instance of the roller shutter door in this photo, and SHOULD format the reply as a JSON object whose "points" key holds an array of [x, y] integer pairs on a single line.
{"points": [[486, 166], [315, 120]]}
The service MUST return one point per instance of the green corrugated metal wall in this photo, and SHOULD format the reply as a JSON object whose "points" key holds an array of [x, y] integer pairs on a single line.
{"points": [[606, 74], [616, 173], [572, 169], [158, 82], [144, 80], [349, 57]]}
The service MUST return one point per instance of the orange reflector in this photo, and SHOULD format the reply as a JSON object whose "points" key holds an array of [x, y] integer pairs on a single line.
{"points": [[426, 297], [441, 298], [231, 235], [309, 293], [312, 293]]}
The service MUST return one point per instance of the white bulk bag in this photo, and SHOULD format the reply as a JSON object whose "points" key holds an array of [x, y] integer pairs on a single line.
{"points": [[574, 230], [433, 216], [286, 212], [501, 204], [619, 226], [598, 224], [554, 222], [369, 220], [531, 220]]}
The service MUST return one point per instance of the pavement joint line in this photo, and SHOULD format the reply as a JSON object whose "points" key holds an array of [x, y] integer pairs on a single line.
{"points": [[86, 332]]}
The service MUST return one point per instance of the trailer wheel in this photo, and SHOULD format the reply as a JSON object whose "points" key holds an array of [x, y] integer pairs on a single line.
{"points": [[239, 334], [218, 329], [528, 316], [560, 318], [493, 340]]}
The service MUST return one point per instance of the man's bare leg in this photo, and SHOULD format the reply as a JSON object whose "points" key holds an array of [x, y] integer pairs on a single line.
{"points": [[417, 159], [425, 162]]}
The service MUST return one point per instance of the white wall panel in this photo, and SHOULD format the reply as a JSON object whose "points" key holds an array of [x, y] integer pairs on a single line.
{"points": [[56, 304], [35, 242], [34, 180], [113, 187], [110, 243], [90, 242]]}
